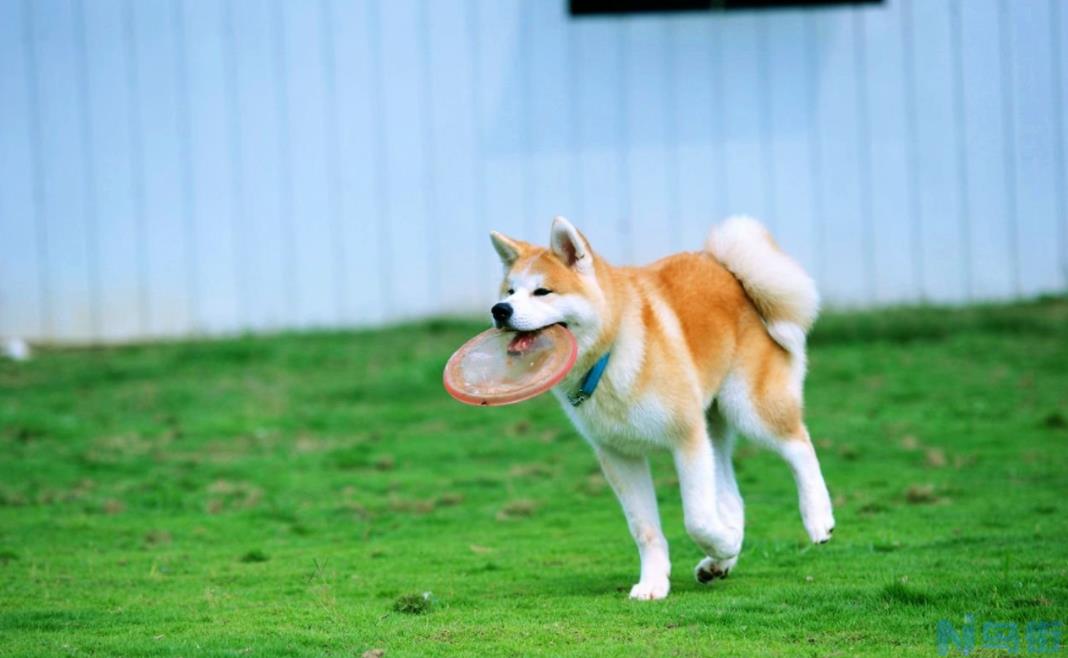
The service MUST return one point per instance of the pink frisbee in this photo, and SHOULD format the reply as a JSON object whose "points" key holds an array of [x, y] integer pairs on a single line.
{"points": [[499, 367]]}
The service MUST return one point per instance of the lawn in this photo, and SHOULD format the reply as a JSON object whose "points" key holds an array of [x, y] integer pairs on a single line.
{"points": [[297, 494]]}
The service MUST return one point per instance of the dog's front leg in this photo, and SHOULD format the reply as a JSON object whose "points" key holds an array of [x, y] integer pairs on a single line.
{"points": [[695, 463], [633, 484]]}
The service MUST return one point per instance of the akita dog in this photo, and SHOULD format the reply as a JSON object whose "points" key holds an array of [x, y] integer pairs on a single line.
{"points": [[678, 355]]}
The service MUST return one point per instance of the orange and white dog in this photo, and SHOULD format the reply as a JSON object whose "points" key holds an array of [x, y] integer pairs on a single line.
{"points": [[682, 354]]}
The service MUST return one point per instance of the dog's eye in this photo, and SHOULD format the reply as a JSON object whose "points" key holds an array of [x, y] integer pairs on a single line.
{"points": [[511, 291], [541, 292]]}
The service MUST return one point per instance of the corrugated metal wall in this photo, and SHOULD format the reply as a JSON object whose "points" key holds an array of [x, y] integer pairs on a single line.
{"points": [[186, 166]]}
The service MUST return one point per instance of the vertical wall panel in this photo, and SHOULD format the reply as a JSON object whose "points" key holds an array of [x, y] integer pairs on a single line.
{"points": [[884, 80], [944, 258], [53, 38], [599, 61], [363, 213], [698, 119], [550, 119], [22, 304], [989, 216], [88, 162], [843, 261], [1059, 27], [467, 281], [309, 133], [256, 161], [789, 107], [215, 272], [404, 112], [165, 220], [431, 187], [742, 85], [650, 140], [280, 72], [1034, 152], [116, 239], [501, 109], [331, 127]]}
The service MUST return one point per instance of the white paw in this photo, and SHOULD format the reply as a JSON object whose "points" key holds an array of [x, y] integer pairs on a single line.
{"points": [[819, 522], [709, 569], [650, 590]]}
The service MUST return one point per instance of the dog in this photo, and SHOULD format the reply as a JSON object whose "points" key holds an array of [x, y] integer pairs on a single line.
{"points": [[682, 355]]}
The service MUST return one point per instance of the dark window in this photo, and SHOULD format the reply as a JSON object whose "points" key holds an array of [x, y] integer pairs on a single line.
{"points": [[594, 7]]}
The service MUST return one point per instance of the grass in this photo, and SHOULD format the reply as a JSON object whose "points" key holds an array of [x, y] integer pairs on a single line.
{"points": [[321, 495]]}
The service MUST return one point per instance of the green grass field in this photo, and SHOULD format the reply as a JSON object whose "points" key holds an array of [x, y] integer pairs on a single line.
{"points": [[297, 494]]}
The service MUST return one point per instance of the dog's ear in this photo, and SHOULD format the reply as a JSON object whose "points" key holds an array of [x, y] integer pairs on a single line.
{"points": [[570, 246], [508, 249]]}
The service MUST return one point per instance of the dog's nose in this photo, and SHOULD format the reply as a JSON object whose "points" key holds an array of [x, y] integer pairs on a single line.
{"points": [[501, 312]]}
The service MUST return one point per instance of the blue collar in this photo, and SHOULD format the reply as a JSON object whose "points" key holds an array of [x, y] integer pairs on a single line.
{"points": [[590, 381]]}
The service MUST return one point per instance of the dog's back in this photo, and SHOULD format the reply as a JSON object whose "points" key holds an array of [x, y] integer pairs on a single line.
{"points": [[741, 307]]}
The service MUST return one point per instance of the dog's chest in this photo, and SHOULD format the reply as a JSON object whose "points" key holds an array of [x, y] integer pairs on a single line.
{"points": [[633, 428]]}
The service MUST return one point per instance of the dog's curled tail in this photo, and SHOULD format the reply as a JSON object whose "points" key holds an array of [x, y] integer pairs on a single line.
{"points": [[783, 293]]}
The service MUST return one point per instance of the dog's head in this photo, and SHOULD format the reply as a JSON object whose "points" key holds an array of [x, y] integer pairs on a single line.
{"points": [[544, 286]]}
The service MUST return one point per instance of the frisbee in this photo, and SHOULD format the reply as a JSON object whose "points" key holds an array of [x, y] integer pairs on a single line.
{"points": [[499, 367]]}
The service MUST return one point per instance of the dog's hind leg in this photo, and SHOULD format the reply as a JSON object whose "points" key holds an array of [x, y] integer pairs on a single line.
{"points": [[773, 418], [633, 484], [812, 495], [728, 498]]}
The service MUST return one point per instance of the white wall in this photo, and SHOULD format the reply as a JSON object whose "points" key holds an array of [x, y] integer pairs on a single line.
{"points": [[188, 166]]}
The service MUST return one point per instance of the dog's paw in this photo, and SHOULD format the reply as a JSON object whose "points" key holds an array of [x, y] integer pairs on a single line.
{"points": [[708, 569], [819, 524], [650, 590]]}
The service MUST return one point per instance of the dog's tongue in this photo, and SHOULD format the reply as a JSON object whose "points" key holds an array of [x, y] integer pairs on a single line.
{"points": [[522, 341]]}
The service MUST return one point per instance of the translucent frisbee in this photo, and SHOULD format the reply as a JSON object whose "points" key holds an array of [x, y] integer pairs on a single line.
{"points": [[500, 367]]}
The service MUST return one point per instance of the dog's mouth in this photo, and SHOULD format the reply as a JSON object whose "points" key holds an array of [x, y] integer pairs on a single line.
{"points": [[524, 340]]}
